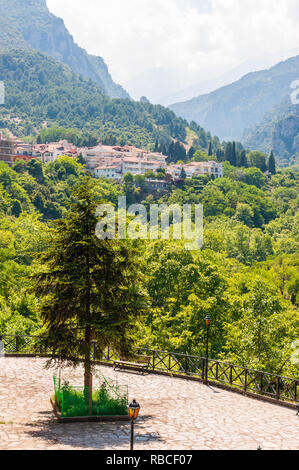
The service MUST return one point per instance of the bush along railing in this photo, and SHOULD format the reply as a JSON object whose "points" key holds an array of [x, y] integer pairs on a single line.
{"points": [[238, 377]]}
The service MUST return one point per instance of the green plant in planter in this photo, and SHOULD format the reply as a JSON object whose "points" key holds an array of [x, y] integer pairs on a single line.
{"points": [[71, 402]]}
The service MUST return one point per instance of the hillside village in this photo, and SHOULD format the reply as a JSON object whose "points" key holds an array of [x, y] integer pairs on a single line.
{"points": [[111, 162]]}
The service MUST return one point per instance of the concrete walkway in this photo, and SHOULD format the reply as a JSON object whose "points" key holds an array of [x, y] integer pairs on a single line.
{"points": [[176, 415]]}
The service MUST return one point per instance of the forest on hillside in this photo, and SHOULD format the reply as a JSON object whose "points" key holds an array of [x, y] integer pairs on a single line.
{"points": [[245, 277], [40, 91]]}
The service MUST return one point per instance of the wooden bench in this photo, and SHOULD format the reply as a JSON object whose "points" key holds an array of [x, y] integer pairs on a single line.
{"points": [[139, 364]]}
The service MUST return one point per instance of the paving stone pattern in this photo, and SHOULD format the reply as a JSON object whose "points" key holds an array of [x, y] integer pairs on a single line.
{"points": [[176, 414]]}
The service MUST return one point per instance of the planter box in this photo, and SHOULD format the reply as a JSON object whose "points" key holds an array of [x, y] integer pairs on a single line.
{"points": [[86, 419]]}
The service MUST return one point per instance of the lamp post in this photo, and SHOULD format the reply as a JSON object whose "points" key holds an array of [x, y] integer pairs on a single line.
{"points": [[134, 409], [208, 322]]}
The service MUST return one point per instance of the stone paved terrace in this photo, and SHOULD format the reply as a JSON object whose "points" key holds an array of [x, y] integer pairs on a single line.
{"points": [[176, 415]]}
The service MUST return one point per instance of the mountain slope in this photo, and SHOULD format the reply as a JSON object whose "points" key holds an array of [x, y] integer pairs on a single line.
{"points": [[28, 23], [253, 64], [43, 92], [230, 110], [279, 130]]}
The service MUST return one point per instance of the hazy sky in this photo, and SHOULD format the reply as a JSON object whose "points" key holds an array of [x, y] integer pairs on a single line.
{"points": [[194, 38]]}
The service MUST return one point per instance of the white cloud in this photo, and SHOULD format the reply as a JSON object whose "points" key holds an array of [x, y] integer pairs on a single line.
{"points": [[197, 39]]}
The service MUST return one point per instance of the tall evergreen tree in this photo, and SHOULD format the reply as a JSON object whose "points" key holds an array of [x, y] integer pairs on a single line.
{"points": [[191, 152], [272, 164], [228, 152], [183, 174], [220, 155], [210, 151], [163, 149], [243, 160], [89, 288], [233, 160], [170, 152]]}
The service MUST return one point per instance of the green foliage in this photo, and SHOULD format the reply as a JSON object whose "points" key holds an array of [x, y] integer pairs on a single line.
{"points": [[272, 164], [246, 274], [263, 335], [103, 404], [87, 286], [258, 160], [39, 89]]}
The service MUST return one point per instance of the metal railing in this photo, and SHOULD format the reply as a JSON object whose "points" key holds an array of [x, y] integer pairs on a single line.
{"points": [[241, 378]]}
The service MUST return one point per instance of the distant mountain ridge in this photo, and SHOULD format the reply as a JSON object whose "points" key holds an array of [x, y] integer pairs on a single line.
{"points": [[231, 110], [29, 24]]}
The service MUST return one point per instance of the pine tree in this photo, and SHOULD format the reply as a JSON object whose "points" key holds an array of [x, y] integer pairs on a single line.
{"points": [[163, 149], [170, 152], [191, 152], [228, 152], [272, 164], [156, 149], [89, 288], [210, 152], [220, 155], [38, 140], [179, 152], [233, 160], [183, 174], [243, 160]]}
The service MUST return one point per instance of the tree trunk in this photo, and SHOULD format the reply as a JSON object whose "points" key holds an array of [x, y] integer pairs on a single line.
{"points": [[87, 369]]}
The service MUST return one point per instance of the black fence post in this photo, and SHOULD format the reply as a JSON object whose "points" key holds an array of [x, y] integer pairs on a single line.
{"points": [[186, 365], [154, 361], [203, 366], [277, 388], [231, 375], [217, 370], [17, 344], [245, 380], [261, 382]]}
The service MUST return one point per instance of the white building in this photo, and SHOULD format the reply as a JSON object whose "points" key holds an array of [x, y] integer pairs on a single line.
{"points": [[117, 168], [111, 172], [103, 155], [197, 169], [50, 152]]}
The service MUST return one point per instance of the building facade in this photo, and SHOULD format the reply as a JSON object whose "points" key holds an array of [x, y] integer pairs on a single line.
{"points": [[7, 150]]}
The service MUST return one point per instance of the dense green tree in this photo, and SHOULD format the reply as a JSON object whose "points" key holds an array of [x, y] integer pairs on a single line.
{"points": [[243, 162], [233, 160], [244, 213], [35, 169], [228, 152], [191, 152], [183, 174], [258, 338], [258, 160]]}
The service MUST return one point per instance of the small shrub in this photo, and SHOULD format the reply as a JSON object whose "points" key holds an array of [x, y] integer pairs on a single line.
{"points": [[73, 403]]}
